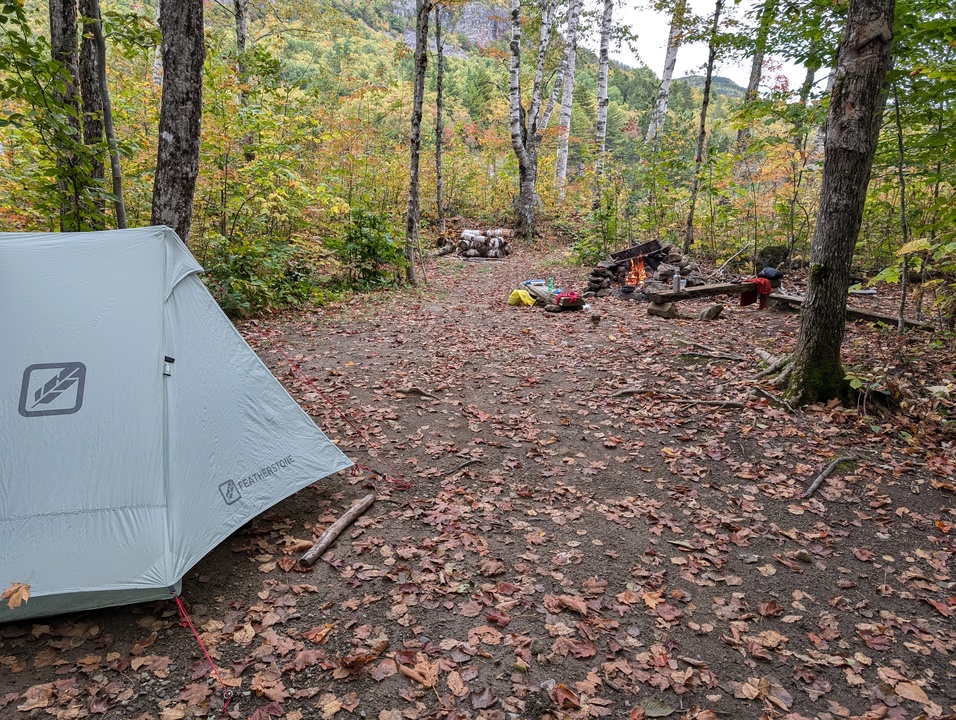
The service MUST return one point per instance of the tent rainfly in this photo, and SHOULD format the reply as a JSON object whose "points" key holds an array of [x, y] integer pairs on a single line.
{"points": [[138, 428]]}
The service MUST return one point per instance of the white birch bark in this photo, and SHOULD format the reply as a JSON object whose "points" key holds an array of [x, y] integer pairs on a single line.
{"points": [[603, 60], [526, 130], [656, 124], [567, 97]]}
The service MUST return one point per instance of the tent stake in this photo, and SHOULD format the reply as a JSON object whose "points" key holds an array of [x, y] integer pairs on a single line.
{"points": [[335, 529]]}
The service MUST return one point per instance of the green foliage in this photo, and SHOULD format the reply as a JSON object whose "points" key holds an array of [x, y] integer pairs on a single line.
{"points": [[257, 274], [369, 256], [53, 169]]}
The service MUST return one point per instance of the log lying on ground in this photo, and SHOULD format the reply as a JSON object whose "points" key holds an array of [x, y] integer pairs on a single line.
{"points": [[335, 529], [855, 314]]}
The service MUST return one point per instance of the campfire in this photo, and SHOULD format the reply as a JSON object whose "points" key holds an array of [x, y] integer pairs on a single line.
{"points": [[640, 269], [637, 273]]}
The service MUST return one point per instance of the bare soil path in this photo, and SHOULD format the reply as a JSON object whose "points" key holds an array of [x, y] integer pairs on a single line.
{"points": [[563, 549]]}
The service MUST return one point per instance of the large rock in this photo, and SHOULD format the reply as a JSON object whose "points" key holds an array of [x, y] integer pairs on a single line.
{"points": [[711, 313], [664, 310]]}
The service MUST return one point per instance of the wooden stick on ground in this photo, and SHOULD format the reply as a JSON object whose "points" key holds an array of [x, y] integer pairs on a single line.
{"points": [[335, 529], [823, 476], [462, 466], [714, 356], [717, 403]]}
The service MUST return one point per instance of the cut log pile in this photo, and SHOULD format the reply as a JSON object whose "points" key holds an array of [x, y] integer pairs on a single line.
{"points": [[493, 243]]}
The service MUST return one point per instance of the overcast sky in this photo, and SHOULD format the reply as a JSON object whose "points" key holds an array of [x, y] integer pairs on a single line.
{"points": [[652, 29]]}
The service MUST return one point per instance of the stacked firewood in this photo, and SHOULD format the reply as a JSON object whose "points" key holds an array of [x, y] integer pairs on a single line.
{"points": [[488, 244], [480, 244]]}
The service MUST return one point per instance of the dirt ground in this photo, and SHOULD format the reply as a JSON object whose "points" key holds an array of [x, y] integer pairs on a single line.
{"points": [[561, 529]]}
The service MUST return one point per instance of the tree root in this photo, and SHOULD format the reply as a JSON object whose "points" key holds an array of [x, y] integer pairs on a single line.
{"points": [[781, 380], [774, 366]]}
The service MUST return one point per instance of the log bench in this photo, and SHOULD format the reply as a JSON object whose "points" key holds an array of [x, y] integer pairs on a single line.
{"points": [[701, 291], [856, 314]]}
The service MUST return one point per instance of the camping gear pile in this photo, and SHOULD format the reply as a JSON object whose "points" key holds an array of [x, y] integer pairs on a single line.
{"points": [[139, 428]]}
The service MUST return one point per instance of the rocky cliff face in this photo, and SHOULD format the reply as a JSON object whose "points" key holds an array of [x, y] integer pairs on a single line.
{"points": [[481, 23]]}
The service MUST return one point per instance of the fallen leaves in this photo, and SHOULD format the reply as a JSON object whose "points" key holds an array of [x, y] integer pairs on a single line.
{"points": [[16, 595]]}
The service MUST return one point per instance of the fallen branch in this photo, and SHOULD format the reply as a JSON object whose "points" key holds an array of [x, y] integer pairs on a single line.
{"points": [[335, 529], [624, 392], [415, 390], [823, 476], [773, 398], [715, 356], [768, 358], [720, 403], [462, 466]]}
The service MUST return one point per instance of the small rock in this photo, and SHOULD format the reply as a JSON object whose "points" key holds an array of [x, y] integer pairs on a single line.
{"points": [[552, 308], [803, 556], [711, 313], [664, 310]]}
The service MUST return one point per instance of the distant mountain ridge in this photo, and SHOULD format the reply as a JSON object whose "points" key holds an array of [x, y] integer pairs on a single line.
{"points": [[722, 85]]}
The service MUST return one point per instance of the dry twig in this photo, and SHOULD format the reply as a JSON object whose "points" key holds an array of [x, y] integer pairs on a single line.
{"points": [[335, 529], [823, 476]]}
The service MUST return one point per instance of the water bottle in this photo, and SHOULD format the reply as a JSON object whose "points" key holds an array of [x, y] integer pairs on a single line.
{"points": [[676, 285]]}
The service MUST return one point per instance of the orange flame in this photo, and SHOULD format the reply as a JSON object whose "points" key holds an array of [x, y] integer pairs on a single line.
{"points": [[637, 274]]}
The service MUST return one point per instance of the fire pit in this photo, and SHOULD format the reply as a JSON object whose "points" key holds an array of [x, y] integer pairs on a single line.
{"points": [[640, 269]]}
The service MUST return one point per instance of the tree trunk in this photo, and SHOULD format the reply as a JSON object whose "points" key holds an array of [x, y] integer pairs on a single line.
{"points": [[656, 124], [92, 107], [603, 62], [567, 97], [799, 163], [904, 224], [64, 49], [412, 217], [768, 14], [702, 130], [242, 70], [116, 173], [526, 129], [439, 128], [853, 126], [177, 161]]}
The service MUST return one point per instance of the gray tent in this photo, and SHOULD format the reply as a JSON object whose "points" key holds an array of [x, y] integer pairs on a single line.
{"points": [[137, 428]]}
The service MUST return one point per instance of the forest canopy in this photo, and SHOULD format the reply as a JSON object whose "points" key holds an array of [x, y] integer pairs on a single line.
{"points": [[303, 167]]}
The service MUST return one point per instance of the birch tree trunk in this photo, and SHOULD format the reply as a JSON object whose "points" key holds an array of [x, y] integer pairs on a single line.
{"points": [[92, 107], [439, 128], [64, 49], [702, 129], [768, 14], [527, 128], [659, 116], [177, 161], [412, 216], [603, 62], [567, 96], [853, 126]]}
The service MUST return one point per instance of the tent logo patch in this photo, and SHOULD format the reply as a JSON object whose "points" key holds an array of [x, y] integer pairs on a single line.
{"points": [[231, 489], [52, 389], [230, 492]]}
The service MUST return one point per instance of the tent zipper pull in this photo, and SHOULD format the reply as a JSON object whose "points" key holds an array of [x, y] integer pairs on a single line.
{"points": [[167, 365]]}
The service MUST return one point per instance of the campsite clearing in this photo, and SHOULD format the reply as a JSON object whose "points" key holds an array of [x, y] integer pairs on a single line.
{"points": [[565, 549]]}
